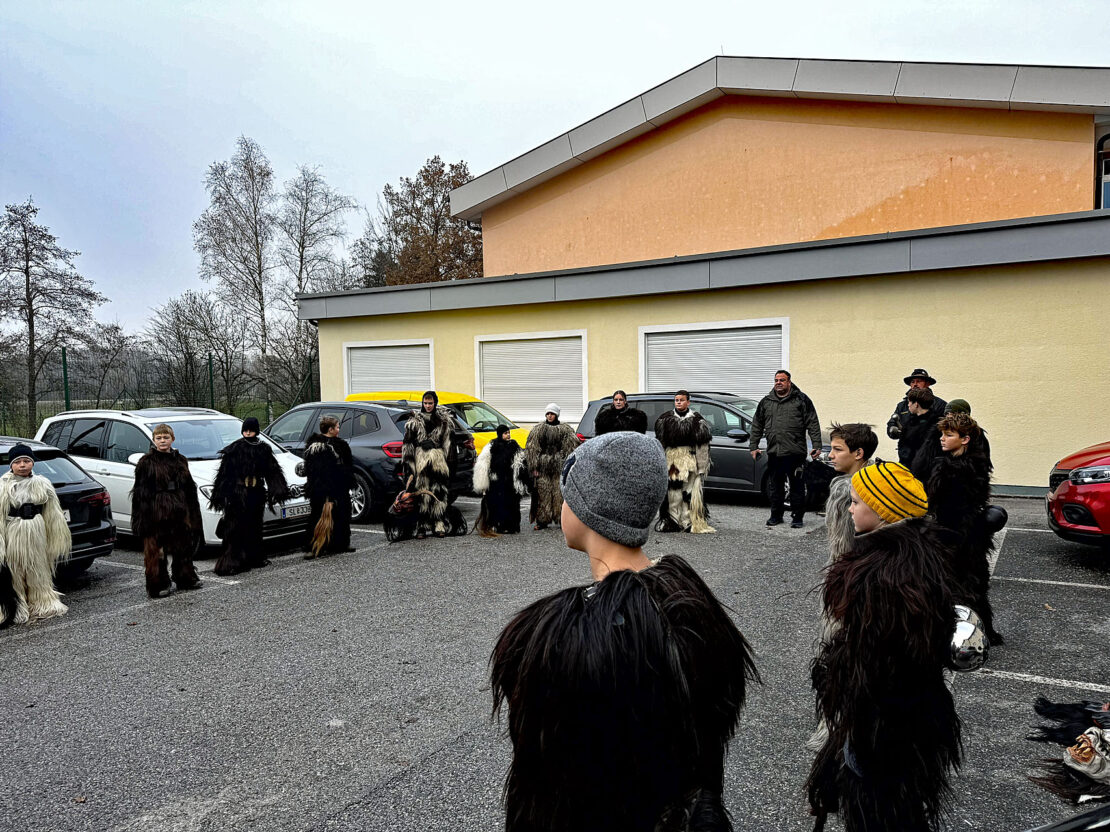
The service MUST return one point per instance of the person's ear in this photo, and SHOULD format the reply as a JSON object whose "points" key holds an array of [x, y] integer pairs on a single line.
{"points": [[857, 453], [964, 440]]}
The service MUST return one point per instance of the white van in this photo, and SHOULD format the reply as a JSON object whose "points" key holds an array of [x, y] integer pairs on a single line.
{"points": [[103, 441]]}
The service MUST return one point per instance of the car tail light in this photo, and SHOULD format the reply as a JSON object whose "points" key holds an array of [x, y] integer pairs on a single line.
{"points": [[581, 438], [100, 498], [469, 443], [393, 449]]}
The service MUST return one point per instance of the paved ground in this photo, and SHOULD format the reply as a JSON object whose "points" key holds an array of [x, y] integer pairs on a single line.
{"points": [[350, 693]]}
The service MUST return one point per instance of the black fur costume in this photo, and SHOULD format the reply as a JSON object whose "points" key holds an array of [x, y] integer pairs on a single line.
{"points": [[685, 440], [959, 492], [622, 698], [501, 477], [610, 420], [249, 478], [165, 515], [426, 455], [329, 476], [548, 446], [9, 601], [893, 730], [1067, 721]]}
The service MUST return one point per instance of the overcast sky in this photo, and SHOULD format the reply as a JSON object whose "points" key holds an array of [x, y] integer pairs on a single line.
{"points": [[110, 112]]}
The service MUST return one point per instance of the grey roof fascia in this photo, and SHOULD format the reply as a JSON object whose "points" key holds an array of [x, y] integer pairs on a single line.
{"points": [[997, 86], [1028, 239]]}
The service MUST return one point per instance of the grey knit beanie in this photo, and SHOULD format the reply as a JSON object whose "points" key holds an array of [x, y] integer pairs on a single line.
{"points": [[615, 483]]}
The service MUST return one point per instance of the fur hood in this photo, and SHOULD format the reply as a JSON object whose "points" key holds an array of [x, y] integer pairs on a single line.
{"points": [[674, 431]]}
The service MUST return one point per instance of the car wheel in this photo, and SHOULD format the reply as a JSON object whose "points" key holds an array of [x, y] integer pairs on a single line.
{"points": [[361, 500]]}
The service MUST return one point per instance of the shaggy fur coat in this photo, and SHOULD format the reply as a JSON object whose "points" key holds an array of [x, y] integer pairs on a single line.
{"points": [[426, 455], [610, 420], [893, 733], [959, 492], [249, 478], [33, 544], [501, 477], [329, 476], [546, 450], [1088, 777], [165, 515], [622, 698], [685, 441]]}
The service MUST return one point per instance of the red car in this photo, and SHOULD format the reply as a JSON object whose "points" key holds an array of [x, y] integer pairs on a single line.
{"points": [[1078, 500]]}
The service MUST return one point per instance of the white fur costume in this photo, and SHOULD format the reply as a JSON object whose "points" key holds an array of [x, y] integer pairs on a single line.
{"points": [[33, 546]]}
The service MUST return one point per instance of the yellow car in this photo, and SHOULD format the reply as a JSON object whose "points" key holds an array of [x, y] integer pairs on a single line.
{"points": [[469, 411]]}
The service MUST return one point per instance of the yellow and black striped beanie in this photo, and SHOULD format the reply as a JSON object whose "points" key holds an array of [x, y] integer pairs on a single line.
{"points": [[891, 490]]}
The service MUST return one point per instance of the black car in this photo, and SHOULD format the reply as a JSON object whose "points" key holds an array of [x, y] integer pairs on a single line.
{"points": [[375, 433], [86, 503], [729, 417]]}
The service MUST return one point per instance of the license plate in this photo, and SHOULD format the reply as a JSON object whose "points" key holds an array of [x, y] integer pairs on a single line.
{"points": [[296, 511], [65, 512]]}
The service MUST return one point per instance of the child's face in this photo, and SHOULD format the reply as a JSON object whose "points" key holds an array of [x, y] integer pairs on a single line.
{"points": [[863, 516], [842, 458], [952, 443], [23, 466], [163, 441]]}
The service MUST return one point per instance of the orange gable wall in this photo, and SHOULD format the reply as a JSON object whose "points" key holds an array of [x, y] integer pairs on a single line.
{"points": [[744, 172]]}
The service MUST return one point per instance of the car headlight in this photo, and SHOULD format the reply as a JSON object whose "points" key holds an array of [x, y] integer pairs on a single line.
{"points": [[206, 490], [1093, 474]]}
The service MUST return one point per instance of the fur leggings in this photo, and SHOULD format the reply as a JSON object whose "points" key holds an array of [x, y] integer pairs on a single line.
{"points": [[157, 550]]}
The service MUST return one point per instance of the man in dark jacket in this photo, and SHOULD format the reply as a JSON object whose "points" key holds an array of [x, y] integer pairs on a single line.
{"points": [[896, 424], [785, 416]]}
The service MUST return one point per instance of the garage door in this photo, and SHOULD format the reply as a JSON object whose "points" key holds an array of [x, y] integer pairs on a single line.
{"points": [[728, 360], [520, 377], [390, 367]]}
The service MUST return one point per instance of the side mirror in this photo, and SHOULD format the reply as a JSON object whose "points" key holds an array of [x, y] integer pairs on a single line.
{"points": [[739, 434], [134, 458]]}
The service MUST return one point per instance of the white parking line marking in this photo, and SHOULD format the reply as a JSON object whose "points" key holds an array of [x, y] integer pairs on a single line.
{"points": [[1020, 529], [1054, 583], [999, 539], [206, 576], [1044, 680], [134, 566], [369, 531]]}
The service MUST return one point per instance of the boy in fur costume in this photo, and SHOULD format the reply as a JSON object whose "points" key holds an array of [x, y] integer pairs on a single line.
{"points": [[549, 444], [620, 415], [426, 455], [1083, 728], [622, 695], [165, 515], [329, 476], [959, 493], [249, 478], [35, 537], [501, 477], [893, 732], [685, 436]]}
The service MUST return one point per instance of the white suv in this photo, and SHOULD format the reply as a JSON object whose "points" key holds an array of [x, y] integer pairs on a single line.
{"points": [[104, 443]]}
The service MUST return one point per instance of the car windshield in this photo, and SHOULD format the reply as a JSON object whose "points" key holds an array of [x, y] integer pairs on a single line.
{"points": [[479, 416], [205, 438], [59, 470], [745, 406]]}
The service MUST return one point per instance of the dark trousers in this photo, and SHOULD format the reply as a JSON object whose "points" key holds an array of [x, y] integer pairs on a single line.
{"points": [[779, 468]]}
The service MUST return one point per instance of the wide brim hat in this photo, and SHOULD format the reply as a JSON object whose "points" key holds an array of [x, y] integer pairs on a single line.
{"points": [[919, 373]]}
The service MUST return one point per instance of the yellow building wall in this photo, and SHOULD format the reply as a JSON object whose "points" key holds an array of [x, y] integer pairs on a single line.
{"points": [[744, 172], [1026, 345]]}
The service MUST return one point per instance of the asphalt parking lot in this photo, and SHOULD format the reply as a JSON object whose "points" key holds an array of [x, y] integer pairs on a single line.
{"points": [[350, 693]]}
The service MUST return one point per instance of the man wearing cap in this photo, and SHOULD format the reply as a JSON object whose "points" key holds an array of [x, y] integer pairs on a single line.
{"points": [[896, 424], [893, 733], [35, 537], [249, 478], [549, 444], [621, 695]]}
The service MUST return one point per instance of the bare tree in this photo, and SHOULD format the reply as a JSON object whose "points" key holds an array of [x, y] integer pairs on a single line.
{"points": [[223, 334], [102, 363], [420, 239], [173, 337], [311, 222], [42, 291], [235, 239]]}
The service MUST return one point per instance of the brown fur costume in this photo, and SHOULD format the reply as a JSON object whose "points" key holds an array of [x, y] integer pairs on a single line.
{"points": [[329, 476], [685, 439], [426, 456], [547, 449], [893, 732], [165, 515], [249, 478]]}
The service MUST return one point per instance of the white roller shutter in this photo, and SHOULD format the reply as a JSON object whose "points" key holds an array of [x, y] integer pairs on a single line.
{"points": [[521, 377], [734, 360], [393, 367]]}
